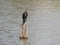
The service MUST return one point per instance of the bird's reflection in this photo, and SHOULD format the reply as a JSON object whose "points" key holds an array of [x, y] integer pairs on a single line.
{"points": [[24, 41]]}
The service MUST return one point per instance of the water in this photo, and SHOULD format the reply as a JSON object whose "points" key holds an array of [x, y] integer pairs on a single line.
{"points": [[43, 22]]}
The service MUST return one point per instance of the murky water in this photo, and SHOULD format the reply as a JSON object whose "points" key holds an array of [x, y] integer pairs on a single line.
{"points": [[43, 22]]}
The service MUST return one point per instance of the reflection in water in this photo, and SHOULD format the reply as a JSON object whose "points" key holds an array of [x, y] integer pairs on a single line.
{"points": [[24, 41], [43, 22]]}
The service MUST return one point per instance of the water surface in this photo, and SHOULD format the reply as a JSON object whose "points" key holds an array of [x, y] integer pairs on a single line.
{"points": [[43, 22]]}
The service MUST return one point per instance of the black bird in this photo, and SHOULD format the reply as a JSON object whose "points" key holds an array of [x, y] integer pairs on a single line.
{"points": [[24, 17]]}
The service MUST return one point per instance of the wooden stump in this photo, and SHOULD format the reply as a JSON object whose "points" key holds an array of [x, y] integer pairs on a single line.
{"points": [[24, 31]]}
